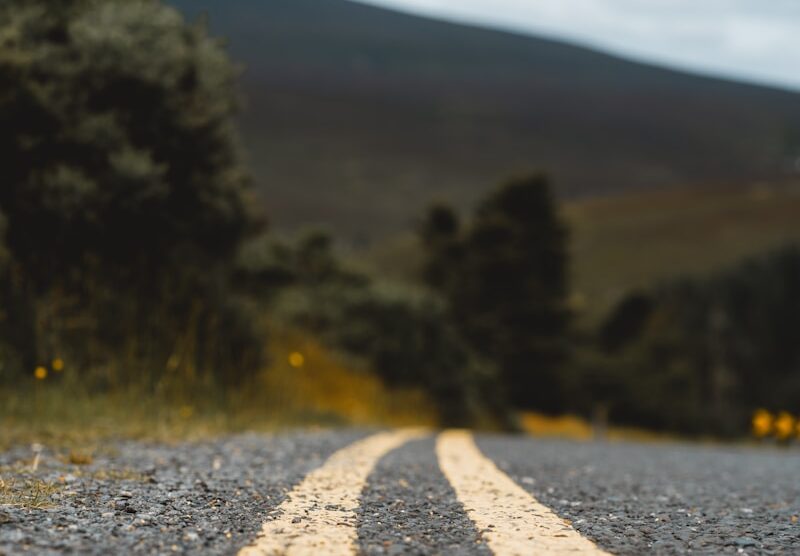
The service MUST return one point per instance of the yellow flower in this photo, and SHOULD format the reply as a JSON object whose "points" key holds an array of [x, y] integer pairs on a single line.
{"points": [[57, 364], [296, 360], [784, 426], [762, 423], [40, 373]]}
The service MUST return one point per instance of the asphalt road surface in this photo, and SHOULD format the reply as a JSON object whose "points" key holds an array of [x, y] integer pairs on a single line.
{"points": [[407, 492]]}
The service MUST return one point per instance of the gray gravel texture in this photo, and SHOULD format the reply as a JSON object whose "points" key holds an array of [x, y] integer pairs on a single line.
{"points": [[204, 498], [212, 497], [662, 498], [408, 507]]}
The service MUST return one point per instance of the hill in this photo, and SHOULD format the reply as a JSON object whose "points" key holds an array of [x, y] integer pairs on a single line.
{"points": [[357, 117], [620, 243]]}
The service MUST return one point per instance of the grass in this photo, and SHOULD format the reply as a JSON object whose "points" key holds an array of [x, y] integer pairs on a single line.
{"points": [[27, 493], [336, 389], [74, 421], [305, 385], [638, 240], [573, 427], [23, 484]]}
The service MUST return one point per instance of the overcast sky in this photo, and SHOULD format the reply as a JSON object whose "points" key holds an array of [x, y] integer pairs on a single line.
{"points": [[756, 40]]}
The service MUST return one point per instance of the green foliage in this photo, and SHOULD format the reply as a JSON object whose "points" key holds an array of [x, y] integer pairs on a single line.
{"points": [[411, 342], [625, 322], [405, 336], [702, 355], [123, 195], [504, 279], [117, 138], [440, 236]]}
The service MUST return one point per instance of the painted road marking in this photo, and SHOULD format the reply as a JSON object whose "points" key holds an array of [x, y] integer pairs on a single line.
{"points": [[512, 521], [319, 514]]}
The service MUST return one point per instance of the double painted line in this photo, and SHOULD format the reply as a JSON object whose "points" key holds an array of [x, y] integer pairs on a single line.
{"points": [[319, 515]]}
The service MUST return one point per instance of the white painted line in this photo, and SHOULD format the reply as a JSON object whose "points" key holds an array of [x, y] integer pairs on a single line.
{"points": [[319, 515], [512, 521]]}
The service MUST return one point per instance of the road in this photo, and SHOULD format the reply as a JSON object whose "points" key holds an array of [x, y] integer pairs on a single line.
{"points": [[408, 492]]}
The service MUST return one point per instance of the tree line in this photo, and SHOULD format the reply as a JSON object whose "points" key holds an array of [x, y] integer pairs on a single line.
{"points": [[132, 248]]}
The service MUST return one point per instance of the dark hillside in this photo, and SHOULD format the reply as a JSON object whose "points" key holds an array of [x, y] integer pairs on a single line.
{"points": [[358, 116]]}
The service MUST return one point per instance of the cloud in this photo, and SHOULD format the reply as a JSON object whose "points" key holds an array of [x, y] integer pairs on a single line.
{"points": [[748, 39]]}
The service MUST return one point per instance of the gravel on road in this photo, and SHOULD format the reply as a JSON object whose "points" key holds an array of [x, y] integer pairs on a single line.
{"points": [[409, 508], [194, 498], [213, 497], [662, 498]]}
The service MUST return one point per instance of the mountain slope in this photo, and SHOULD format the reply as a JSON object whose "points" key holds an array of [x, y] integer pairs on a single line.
{"points": [[357, 116]]}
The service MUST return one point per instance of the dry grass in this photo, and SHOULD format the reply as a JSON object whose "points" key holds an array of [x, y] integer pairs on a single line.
{"points": [[74, 423], [566, 426], [638, 240], [27, 492], [325, 389], [573, 427], [333, 389]]}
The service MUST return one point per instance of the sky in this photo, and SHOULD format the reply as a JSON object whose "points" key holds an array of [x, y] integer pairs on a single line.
{"points": [[753, 40]]}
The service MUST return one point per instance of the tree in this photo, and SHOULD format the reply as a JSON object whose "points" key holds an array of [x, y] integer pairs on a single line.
{"points": [[123, 192], [116, 139], [440, 234], [625, 323], [505, 281]]}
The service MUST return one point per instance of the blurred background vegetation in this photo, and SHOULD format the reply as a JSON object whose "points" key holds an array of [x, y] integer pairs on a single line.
{"points": [[141, 288]]}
